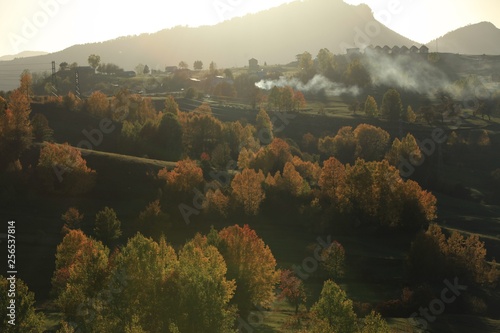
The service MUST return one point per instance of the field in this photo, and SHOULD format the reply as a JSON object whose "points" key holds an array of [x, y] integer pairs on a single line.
{"points": [[375, 263]]}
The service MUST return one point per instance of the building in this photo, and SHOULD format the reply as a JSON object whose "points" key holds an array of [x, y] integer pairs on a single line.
{"points": [[253, 65], [424, 49]]}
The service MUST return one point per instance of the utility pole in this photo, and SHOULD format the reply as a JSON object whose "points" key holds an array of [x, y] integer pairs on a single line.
{"points": [[77, 84], [54, 79]]}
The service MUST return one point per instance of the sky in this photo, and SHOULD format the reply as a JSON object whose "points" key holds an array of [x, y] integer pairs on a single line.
{"points": [[53, 25]]}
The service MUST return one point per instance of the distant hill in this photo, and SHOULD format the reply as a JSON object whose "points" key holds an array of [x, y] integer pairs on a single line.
{"points": [[274, 36], [475, 39], [25, 54]]}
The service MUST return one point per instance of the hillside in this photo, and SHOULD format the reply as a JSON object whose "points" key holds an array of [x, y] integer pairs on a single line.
{"points": [[475, 39], [271, 36], [25, 54]]}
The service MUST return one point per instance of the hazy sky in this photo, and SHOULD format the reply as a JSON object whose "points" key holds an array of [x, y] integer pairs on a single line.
{"points": [[52, 25]]}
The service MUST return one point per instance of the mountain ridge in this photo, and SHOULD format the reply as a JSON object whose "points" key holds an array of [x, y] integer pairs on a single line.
{"points": [[273, 36], [474, 39]]}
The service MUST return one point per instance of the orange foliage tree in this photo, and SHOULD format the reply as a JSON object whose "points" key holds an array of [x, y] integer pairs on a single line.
{"points": [[247, 190], [61, 169], [251, 264], [433, 257], [98, 104], [371, 142], [15, 128], [184, 178], [272, 157]]}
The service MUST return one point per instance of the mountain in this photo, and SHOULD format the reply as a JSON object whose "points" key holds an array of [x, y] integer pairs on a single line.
{"points": [[25, 54], [475, 39], [274, 36]]}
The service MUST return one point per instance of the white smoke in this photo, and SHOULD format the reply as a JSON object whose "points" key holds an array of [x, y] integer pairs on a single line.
{"points": [[410, 73], [317, 84]]}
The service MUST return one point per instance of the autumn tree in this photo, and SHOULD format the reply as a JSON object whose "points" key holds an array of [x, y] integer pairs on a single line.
{"points": [[335, 309], [41, 129], [371, 142], [107, 225], [15, 126], [392, 107], [332, 182], [264, 127], [216, 202], [72, 220], [379, 197], [434, 256], [224, 90], [247, 190], [371, 108], [251, 264], [272, 157], [171, 105], [292, 289], [185, 177], [409, 115], [98, 104], [61, 169], [81, 273], [201, 131], [406, 149], [21, 316], [291, 182], [342, 146]]}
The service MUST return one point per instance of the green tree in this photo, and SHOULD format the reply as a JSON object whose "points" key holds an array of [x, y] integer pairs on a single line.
{"points": [[198, 65], [392, 107], [374, 323], [336, 309], [183, 65], [264, 126], [357, 74], [24, 318], [325, 63], [169, 136], [145, 273], [306, 66], [94, 61], [204, 290], [107, 225], [333, 259]]}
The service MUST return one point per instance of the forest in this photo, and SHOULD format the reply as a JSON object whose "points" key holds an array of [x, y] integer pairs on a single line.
{"points": [[318, 196]]}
